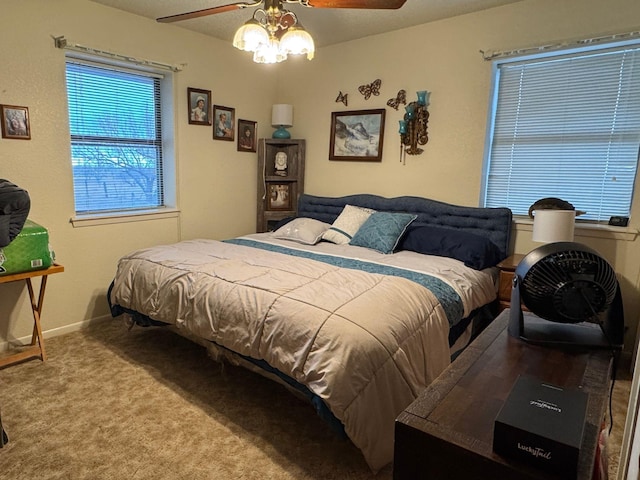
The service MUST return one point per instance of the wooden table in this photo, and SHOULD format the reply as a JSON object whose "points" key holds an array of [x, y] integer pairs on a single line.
{"points": [[36, 348], [447, 433]]}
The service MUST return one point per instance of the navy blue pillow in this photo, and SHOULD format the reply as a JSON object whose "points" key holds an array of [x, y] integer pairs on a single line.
{"points": [[473, 250]]}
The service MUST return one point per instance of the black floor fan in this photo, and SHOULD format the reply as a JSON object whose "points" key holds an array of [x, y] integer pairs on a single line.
{"points": [[574, 296]]}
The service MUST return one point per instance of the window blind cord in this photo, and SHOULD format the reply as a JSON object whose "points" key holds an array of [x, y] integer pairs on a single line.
{"points": [[614, 374], [264, 171]]}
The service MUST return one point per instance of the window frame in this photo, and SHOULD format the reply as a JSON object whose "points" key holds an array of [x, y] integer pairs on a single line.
{"points": [[169, 208], [590, 227]]}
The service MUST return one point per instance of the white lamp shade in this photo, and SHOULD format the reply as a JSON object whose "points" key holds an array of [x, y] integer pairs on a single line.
{"points": [[553, 225], [282, 115]]}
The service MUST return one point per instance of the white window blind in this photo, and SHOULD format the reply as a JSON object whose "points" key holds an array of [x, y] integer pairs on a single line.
{"points": [[566, 126], [116, 140]]}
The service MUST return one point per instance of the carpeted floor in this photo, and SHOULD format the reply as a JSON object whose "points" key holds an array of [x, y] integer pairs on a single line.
{"points": [[147, 404]]}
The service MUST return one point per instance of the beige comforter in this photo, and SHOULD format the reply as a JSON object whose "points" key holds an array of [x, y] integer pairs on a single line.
{"points": [[365, 343]]}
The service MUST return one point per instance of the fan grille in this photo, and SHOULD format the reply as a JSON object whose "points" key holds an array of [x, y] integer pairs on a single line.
{"points": [[569, 283]]}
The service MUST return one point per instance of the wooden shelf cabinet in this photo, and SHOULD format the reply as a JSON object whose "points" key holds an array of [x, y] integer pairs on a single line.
{"points": [[279, 189]]}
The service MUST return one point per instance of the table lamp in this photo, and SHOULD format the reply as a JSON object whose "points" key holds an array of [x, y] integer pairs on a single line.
{"points": [[281, 118], [552, 225]]}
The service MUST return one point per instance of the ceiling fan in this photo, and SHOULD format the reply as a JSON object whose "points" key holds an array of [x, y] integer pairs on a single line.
{"points": [[276, 5], [274, 32]]}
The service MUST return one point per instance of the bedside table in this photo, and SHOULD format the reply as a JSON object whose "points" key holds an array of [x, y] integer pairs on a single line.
{"points": [[507, 271], [447, 432]]}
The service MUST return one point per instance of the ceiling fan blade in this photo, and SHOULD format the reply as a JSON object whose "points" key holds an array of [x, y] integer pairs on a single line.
{"points": [[207, 11], [371, 4]]}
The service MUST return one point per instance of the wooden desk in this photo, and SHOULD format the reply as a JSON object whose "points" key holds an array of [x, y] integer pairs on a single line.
{"points": [[447, 433], [36, 348]]}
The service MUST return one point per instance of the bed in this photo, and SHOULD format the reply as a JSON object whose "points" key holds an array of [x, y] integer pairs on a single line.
{"points": [[356, 304]]}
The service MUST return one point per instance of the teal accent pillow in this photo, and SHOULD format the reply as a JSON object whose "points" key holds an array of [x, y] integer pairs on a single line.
{"points": [[382, 231]]}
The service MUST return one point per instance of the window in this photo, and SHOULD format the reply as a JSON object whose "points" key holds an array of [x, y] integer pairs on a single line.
{"points": [[116, 138], [568, 126]]}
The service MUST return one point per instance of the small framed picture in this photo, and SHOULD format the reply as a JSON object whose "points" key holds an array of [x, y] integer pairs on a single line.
{"points": [[199, 106], [357, 135], [247, 136], [223, 120], [15, 122], [279, 196]]}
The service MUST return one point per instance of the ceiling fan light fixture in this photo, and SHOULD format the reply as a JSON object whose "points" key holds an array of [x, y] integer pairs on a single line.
{"points": [[272, 23], [269, 52], [250, 36], [297, 41]]}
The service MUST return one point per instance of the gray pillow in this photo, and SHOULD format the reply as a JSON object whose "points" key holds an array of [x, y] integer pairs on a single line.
{"points": [[302, 230]]}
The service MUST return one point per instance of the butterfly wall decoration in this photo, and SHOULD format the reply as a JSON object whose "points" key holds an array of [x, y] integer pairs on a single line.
{"points": [[401, 98], [342, 97], [371, 89]]}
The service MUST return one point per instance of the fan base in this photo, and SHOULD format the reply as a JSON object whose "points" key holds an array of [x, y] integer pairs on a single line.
{"points": [[538, 331]]}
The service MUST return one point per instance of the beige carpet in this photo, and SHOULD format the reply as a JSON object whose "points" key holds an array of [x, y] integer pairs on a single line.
{"points": [[147, 404]]}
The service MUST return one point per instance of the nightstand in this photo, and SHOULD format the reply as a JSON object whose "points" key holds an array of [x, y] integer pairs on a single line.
{"points": [[507, 271]]}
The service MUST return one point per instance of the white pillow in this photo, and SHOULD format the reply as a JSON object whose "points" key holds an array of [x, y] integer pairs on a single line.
{"points": [[302, 230], [347, 224]]}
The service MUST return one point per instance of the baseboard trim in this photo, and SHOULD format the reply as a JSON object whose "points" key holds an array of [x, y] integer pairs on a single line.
{"points": [[54, 332]]}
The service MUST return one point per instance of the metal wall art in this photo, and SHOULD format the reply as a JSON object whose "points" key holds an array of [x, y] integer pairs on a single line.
{"points": [[342, 97], [401, 98], [371, 89], [413, 129]]}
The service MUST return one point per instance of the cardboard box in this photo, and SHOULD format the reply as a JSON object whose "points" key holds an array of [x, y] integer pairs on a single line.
{"points": [[542, 425], [28, 251]]}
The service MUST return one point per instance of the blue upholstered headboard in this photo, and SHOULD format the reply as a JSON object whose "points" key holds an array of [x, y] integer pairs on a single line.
{"points": [[492, 223]]}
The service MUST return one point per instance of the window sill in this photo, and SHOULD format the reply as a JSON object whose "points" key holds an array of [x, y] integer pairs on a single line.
{"points": [[133, 216], [597, 230]]}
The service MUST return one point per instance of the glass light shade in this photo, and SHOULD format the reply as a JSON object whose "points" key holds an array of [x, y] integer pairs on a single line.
{"points": [[411, 111], [423, 97], [297, 41], [403, 127], [553, 226], [250, 36], [269, 52]]}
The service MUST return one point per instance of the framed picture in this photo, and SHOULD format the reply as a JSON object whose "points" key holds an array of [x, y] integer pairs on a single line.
{"points": [[15, 122], [247, 136], [357, 135], [223, 120], [279, 196], [199, 106]]}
